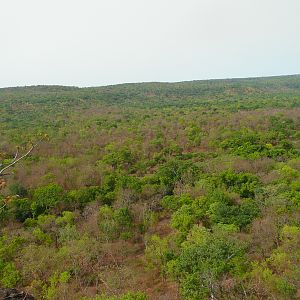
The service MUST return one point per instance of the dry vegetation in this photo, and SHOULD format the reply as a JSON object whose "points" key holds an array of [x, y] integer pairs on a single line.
{"points": [[153, 191]]}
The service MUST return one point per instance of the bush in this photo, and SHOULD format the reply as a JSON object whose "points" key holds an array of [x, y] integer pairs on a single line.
{"points": [[9, 275], [107, 223], [124, 218], [119, 158]]}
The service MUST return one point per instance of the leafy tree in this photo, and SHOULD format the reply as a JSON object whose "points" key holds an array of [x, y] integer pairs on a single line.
{"points": [[158, 253], [80, 198], [242, 183], [183, 219], [46, 197], [21, 208], [171, 172], [203, 260], [119, 158], [173, 202]]}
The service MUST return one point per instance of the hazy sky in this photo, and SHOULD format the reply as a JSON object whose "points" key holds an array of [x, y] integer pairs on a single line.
{"points": [[97, 42]]}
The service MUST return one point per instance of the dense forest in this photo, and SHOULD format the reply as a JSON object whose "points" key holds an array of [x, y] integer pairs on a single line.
{"points": [[143, 191]]}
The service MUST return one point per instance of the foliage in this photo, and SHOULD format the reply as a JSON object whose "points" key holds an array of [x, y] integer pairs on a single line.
{"points": [[46, 197], [205, 258], [153, 187], [242, 183]]}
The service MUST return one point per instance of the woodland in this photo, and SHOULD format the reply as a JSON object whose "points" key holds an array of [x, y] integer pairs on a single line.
{"points": [[152, 191]]}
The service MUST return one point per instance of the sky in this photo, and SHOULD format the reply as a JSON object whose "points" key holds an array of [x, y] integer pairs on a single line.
{"points": [[101, 42]]}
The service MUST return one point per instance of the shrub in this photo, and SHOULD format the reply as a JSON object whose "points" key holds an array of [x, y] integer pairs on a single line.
{"points": [[9, 275]]}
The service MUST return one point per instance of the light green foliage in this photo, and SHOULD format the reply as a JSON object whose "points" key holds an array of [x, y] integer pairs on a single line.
{"points": [[194, 135], [287, 173], [9, 275], [134, 296], [173, 203], [55, 281], [203, 176], [129, 182], [41, 236], [68, 233], [123, 218], [46, 221], [274, 284], [107, 222], [81, 197], [242, 183], [183, 218], [119, 158], [158, 253], [46, 197], [203, 260], [171, 172], [251, 144], [126, 296], [67, 218], [280, 272], [9, 247]]}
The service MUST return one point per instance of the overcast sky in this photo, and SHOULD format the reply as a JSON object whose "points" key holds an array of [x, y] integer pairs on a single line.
{"points": [[97, 42]]}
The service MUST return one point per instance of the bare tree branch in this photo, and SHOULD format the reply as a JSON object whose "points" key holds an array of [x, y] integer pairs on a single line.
{"points": [[16, 158], [2, 207], [17, 153]]}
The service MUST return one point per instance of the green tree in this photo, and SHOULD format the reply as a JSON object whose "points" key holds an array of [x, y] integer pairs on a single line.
{"points": [[204, 258], [46, 197]]}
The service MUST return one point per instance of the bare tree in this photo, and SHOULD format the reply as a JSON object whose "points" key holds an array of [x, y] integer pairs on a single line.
{"points": [[17, 158]]}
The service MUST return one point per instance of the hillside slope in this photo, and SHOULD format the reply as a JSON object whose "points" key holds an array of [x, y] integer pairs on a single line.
{"points": [[142, 191]]}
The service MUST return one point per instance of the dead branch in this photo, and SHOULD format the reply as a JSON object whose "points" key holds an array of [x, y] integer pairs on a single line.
{"points": [[17, 158]]}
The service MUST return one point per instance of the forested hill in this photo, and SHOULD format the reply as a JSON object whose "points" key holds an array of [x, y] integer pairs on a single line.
{"points": [[161, 94], [152, 191]]}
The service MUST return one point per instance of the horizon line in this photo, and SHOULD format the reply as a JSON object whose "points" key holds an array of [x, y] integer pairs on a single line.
{"points": [[153, 82]]}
